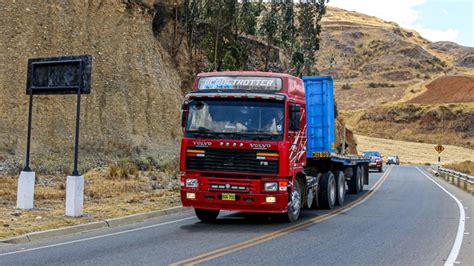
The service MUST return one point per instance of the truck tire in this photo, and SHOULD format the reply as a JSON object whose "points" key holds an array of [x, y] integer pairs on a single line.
{"points": [[206, 215], [381, 169], [356, 182], [327, 191], [340, 187], [294, 203]]}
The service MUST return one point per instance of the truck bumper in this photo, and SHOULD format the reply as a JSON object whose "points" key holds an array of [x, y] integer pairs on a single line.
{"points": [[244, 202]]}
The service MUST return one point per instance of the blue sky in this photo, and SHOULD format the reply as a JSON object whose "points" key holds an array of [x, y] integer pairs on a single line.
{"points": [[436, 20]]}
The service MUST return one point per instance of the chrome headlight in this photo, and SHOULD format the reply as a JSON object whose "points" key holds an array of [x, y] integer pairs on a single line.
{"points": [[191, 182]]}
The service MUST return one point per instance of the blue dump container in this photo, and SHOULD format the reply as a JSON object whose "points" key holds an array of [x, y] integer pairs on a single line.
{"points": [[320, 119]]}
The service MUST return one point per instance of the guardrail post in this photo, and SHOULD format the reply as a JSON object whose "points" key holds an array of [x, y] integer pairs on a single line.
{"points": [[470, 186], [461, 180]]}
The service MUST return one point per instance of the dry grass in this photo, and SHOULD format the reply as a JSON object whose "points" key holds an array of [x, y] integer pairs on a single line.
{"points": [[427, 123], [414, 152], [105, 197], [464, 167]]}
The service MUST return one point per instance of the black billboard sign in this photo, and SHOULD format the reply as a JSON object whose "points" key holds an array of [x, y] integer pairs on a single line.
{"points": [[59, 75]]}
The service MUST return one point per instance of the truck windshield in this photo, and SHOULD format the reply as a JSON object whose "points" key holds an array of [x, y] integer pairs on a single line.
{"points": [[236, 119]]}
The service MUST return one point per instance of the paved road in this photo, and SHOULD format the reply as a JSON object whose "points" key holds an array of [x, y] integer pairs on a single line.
{"points": [[405, 220]]}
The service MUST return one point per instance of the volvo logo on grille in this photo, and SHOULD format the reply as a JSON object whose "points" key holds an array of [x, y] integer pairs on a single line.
{"points": [[227, 186], [202, 143], [259, 146]]}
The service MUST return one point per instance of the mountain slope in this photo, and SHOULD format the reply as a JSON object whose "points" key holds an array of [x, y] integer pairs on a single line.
{"points": [[135, 100], [380, 62]]}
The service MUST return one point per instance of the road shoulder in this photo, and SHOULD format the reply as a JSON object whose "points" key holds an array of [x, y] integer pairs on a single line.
{"points": [[466, 256], [82, 228]]}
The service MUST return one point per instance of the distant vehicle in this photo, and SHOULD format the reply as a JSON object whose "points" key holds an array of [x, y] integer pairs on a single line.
{"points": [[393, 159], [375, 160]]}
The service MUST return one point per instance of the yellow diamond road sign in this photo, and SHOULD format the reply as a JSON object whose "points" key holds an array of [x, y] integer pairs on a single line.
{"points": [[439, 148]]}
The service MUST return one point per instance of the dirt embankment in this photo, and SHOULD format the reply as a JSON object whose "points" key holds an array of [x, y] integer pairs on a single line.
{"points": [[136, 95], [448, 89]]}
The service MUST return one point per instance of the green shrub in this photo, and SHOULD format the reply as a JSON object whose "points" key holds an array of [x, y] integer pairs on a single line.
{"points": [[346, 86]]}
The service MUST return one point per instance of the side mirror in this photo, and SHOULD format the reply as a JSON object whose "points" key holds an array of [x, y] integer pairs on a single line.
{"points": [[184, 114], [295, 117]]}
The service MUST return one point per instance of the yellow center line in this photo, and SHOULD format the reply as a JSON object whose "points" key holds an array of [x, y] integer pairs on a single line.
{"points": [[261, 239]]}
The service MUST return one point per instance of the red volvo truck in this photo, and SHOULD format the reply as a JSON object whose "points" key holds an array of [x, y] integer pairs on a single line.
{"points": [[264, 142]]}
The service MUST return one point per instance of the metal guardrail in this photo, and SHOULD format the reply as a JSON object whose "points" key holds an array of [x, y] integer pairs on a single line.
{"points": [[457, 174], [461, 180]]}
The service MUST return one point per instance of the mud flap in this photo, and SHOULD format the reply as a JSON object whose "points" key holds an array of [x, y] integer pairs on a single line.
{"points": [[365, 170]]}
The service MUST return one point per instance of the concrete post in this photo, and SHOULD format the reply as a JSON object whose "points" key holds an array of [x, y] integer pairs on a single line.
{"points": [[74, 195], [26, 190]]}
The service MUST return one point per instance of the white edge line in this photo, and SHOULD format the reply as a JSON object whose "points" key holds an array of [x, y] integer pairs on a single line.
{"points": [[462, 218], [96, 237]]}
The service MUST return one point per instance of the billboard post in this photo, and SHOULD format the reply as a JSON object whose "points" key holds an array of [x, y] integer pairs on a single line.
{"points": [[56, 76]]}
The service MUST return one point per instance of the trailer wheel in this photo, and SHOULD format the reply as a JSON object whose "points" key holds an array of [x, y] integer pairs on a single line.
{"points": [[340, 187], [294, 203], [356, 182], [206, 215], [327, 195]]}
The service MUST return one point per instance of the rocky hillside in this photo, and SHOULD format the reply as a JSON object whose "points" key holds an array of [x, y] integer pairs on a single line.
{"points": [[461, 55], [135, 101], [392, 83], [376, 62]]}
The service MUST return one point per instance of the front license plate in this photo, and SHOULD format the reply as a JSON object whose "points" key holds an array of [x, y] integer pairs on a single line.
{"points": [[228, 196]]}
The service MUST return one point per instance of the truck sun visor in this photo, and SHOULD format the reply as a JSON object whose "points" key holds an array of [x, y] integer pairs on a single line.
{"points": [[240, 83]]}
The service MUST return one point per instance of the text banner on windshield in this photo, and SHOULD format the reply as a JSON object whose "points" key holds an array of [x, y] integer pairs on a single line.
{"points": [[240, 83]]}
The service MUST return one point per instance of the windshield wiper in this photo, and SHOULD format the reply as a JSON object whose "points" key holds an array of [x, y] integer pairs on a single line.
{"points": [[233, 135], [262, 135], [202, 133]]}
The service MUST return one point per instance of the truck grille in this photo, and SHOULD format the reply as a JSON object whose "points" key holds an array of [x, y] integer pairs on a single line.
{"points": [[229, 160]]}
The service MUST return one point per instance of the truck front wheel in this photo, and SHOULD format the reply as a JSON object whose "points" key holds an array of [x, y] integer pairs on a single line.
{"points": [[327, 191], [294, 204], [206, 215]]}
